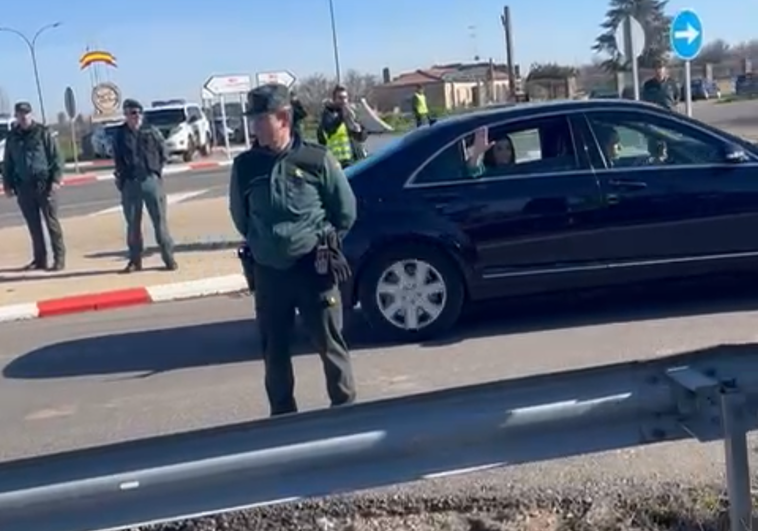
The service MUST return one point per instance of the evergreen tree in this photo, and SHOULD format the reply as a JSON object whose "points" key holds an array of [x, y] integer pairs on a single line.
{"points": [[656, 24]]}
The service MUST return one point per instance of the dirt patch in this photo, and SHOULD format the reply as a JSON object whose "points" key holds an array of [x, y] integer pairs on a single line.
{"points": [[666, 507]]}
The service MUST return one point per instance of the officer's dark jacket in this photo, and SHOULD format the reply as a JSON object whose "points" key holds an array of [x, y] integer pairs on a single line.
{"points": [[283, 203], [331, 118], [298, 113], [138, 154], [31, 155], [664, 93]]}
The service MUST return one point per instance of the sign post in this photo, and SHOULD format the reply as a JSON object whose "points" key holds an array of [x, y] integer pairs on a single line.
{"points": [[630, 37], [285, 77], [686, 42], [223, 86], [70, 103]]}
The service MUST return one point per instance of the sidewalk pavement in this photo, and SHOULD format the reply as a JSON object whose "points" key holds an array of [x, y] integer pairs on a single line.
{"points": [[87, 178], [205, 250], [218, 152]]}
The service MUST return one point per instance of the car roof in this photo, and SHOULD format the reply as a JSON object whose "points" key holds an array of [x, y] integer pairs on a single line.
{"points": [[172, 107]]}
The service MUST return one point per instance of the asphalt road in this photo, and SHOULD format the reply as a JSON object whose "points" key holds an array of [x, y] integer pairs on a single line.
{"points": [[89, 379], [91, 198]]}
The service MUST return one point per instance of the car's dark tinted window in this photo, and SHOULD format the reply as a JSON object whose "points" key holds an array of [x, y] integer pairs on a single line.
{"points": [[641, 139], [539, 146]]}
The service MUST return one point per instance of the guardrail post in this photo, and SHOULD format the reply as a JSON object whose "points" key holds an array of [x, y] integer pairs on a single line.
{"points": [[737, 461]]}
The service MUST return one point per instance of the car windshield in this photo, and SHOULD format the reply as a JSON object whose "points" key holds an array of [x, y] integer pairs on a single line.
{"points": [[163, 117], [387, 149]]}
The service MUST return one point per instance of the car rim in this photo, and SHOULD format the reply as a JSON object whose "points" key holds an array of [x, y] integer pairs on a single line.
{"points": [[411, 294]]}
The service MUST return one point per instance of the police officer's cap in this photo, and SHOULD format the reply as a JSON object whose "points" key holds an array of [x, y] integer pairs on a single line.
{"points": [[22, 107], [132, 104], [267, 99]]}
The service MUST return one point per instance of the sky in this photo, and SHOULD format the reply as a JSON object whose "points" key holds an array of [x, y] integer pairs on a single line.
{"points": [[169, 49]]}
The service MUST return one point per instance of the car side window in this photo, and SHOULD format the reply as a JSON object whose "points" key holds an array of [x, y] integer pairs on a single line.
{"points": [[627, 139], [447, 166], [193, 113], [530, 147], [522, 148]]}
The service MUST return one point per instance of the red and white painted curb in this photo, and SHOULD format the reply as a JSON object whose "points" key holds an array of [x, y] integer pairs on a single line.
{"points": [[192, 289], [87, 178]]}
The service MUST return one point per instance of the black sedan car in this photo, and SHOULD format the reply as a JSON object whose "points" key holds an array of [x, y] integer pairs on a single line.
{"points": [[572, 195]]}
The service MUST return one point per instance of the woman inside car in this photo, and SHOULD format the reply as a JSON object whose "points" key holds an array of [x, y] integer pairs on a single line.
{"points": [[484, 155]]}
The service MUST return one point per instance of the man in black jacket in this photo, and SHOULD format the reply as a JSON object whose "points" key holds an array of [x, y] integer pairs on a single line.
{"points": [[139, 154], [299, 114], [32, 173], [340, 130]]}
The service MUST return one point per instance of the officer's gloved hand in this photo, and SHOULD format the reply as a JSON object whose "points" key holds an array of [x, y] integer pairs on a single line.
{"points": [[338, 262]]}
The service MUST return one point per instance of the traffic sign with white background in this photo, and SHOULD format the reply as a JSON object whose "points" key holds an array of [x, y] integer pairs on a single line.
{"points": [[226, 85], [686, 35], [283, 78]]}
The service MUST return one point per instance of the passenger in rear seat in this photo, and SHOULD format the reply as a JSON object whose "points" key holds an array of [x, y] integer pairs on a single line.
{"points": [[485, 154]]}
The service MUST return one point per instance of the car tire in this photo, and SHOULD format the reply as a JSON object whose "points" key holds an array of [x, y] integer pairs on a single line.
{"points": [[205, 149], [445, 299], [188, 155]]}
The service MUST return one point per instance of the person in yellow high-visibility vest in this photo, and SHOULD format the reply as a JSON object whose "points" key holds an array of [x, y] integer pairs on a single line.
{"points": [[340, 130], [420, 107]]}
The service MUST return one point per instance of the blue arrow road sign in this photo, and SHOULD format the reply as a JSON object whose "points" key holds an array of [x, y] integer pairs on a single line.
{"points": [[686, 35]]}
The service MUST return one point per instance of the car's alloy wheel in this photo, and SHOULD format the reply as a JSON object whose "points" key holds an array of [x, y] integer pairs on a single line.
{"points": [[411, 293]]}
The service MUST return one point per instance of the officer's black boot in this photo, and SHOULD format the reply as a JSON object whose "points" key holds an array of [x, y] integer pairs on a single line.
{"points": [[133, 266]]}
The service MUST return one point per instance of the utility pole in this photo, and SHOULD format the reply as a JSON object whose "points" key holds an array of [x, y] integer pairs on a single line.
{"points": [[335, 44], [506, 21], [32, 45]]}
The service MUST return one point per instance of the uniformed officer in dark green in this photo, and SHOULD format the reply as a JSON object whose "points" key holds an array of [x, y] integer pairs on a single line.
{"points": [[661, 89], [139, 155], [284, 195], [32, 173]]}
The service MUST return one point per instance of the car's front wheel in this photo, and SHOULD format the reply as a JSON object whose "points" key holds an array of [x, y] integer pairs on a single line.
{"points": [[411, 292]]}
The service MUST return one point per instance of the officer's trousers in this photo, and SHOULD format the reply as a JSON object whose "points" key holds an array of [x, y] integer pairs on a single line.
{"points": [[147, 193], [39, 205], [277, 294]]}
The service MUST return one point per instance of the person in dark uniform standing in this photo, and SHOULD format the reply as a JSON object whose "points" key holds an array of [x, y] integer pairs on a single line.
{"points": [[139, 154], [32, 173], [292, 203], [661, 89]]}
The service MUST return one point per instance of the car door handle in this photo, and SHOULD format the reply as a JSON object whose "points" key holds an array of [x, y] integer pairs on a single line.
{"points": [[629, 186]]}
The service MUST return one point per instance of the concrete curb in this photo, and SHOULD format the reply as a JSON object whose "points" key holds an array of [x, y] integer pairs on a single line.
{"points": [[108, 300], [87, 178]]}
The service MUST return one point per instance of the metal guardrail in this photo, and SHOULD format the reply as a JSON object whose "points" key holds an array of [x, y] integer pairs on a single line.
{"points": [[702, 395]]}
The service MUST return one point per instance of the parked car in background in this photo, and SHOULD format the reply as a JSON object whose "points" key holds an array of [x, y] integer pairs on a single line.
{"points": [[184, 126], [746, 85], [102, 139], [600, 193], [702, 89]]}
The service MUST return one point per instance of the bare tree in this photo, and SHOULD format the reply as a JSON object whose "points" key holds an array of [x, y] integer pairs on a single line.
{"points": [[313, 90], [359, 85], [715, 52]]}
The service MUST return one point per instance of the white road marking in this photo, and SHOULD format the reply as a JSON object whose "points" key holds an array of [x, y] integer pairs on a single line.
{"points": [[171, 199]]}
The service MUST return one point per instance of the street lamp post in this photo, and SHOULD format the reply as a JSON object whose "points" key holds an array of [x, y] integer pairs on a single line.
{"points": [[32, 45], [335, 44]]}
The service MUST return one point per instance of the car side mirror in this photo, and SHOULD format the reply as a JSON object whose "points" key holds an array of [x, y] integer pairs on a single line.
{"points": [[734, 154]]}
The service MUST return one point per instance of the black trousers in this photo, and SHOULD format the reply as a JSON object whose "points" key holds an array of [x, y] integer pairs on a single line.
{"points": [[277, 294], [39, 205]]}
